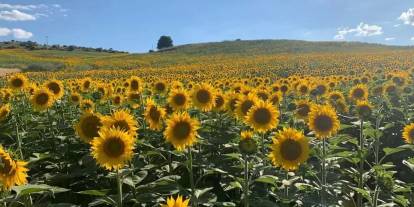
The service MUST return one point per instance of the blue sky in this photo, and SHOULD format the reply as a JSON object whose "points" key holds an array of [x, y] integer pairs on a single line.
{"points": [[135, 25]]}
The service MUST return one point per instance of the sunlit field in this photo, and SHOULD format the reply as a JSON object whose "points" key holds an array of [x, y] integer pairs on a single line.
{"points": [[164, 129]]}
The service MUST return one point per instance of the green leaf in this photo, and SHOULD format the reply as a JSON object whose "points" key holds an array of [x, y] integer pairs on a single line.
{"points": [[102, 192], [390, 151], [269, 179], [28, 189], [364, 193]]}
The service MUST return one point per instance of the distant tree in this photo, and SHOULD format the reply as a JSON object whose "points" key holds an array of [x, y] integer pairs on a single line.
{"points": [[71, 48], [164, 42]]}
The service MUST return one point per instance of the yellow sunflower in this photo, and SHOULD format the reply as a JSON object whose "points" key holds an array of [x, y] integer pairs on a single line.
{"points": [[179, 202], [87, 105], [113, 148], [290, 148], [203, 97], [154, 115], [86, 84], [123, 120], [322, 119], [135, 84], [18, 81], [4, 111], [262, 117], [244, 104], [42, 99], [75, 98], [117, 100], [134, 99], [359, 92], [56, 87], [408, 133], [303, 108], [160, 87], [88, 126], [219, 102], [364, 109], [276, 98], [179, 99], [12, 172], [181, 130]]}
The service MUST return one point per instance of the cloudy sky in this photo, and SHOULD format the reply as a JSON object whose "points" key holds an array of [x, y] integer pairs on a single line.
{"points": [[135, 25]]}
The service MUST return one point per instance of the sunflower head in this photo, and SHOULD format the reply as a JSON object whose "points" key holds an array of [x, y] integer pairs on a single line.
{"points": [[154, 115], [160, 87], [359, 92], [87, 105], [247, 145], [4, 111], [181, 130], [18, 81], [179, 202], [303, 108], [113, 148], [262, 117], [244, 104], [42, 99], [12, 172], [290, 148], [86, 84], [75, 98], [56, 87], [135, 84], [408, 133], [203, 97], [122, 120], [323, 120], [364, 109], [88, 126], [117, 100], [179, 99], [219, 102]]}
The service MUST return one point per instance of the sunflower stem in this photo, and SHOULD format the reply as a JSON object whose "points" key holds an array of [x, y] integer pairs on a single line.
{"points": [[361, 162], [246, 181], [323, 179], [193, 197], [19, 140], [119, 185], [286, 186]]}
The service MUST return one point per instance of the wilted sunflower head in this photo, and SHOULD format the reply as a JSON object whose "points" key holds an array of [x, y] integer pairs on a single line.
{"points": [[113, 148], [290, 148], [262, 117], [88, 126], [42, 99], [323, 120], [181, 130], [18, 81]]}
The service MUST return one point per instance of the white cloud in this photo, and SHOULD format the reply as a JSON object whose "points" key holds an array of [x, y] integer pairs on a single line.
{"points": [[4, 31], [363, 30], [407, 17], [389, 38], [412, 38], [16, 33], [397, 25], [16, 15], [17, 6]]}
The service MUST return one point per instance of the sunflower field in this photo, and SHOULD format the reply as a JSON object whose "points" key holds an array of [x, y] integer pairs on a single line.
{"points": [[263, 131]]}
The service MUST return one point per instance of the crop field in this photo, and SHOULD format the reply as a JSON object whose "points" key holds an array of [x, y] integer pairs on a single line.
{"points": [[180, 129]]}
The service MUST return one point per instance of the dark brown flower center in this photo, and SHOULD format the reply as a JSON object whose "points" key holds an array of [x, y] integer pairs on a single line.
{"points": [[114, 147], [179, 99], [90, 126], [182, 130], [203, 96], [42, 98], [262, 116], [323, 123], [290, 150]]}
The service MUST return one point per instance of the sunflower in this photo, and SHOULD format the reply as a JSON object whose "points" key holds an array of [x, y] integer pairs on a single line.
{"points": [[290, 148], [335, 96], [154, 115], [364, 109], [87, 105], [86, 84], [179, 99], [123, 121], [408, 133], [323, 120], [244, 104], [203, 97], [117, 100], [303, 108], [359, 92], [135, 84], [160, 87], [219, 102], [6, 95], [113, 148], [56, 87], [276, 98], [231, 100], [179, 202], [12, 172], [134, 99], [262, 117], [42, 99], [18, 81], [181, 130], [4, 111], [75, 98], [88, 126]]}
